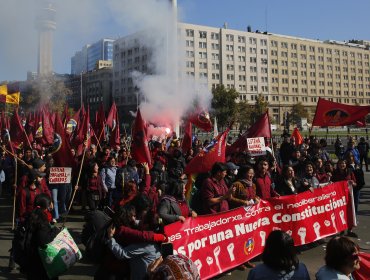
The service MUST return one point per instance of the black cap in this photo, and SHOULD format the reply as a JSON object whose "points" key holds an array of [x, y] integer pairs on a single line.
{"points": [[37, 163], [35, 173]]}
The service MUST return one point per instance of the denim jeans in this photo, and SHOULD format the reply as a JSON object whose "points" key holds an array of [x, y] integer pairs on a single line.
{"points": [[54, 195]]}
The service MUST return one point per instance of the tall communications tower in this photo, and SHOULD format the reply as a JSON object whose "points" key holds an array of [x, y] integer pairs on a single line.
{"points": [[45, 24]]}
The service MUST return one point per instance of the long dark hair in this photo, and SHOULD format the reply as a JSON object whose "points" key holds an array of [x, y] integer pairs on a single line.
{"points": [[242, 172], [123, 214], [38, 215], [175, 189], [279, 253]]}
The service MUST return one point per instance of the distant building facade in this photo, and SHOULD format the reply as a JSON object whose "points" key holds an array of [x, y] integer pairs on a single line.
{"points": [[284, 69], [86, 59]]}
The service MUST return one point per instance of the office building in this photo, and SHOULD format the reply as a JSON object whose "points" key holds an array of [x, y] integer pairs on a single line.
{"points": [[284, 69]]}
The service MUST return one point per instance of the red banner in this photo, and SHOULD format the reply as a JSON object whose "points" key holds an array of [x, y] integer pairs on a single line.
{"points": [[217, 243]]}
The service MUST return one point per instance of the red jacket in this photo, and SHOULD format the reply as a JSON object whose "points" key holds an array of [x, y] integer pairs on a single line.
{"points": [[26, 198], [25, 181], [264, 187]]}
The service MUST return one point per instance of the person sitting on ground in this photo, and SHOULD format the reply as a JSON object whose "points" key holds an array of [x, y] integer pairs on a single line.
{"points": [[280, 260], [341, 259]]}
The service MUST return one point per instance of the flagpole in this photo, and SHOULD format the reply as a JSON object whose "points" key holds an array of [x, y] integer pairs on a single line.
{"points": [[75, 188], [14, 192]]}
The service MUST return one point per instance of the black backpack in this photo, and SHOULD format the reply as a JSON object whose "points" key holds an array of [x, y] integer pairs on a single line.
{"points": [[21, 246], [94, 234]]}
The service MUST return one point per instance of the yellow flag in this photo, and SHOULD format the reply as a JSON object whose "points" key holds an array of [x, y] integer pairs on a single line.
{"points": [[4, 89], [13, 98]]}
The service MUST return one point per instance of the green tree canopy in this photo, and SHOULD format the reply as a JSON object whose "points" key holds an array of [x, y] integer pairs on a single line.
{"points": [[298, 112], [46, 90], [224, 105]]}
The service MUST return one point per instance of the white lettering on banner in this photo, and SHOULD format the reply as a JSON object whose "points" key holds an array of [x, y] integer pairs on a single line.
{"points": [[247, 228], [309, 212], [312, 200], [211, 225], [251, 212]]}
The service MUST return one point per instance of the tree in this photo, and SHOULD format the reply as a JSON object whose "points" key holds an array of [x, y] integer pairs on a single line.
{"points": [[244, 114], [46, 90], [297, 112], [224, 105], [259, 108]]}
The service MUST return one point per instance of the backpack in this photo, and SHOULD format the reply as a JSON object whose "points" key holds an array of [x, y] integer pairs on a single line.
{"points": [[94, 234], [21, 246]]}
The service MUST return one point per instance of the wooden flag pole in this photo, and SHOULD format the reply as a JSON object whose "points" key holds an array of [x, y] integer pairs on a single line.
{"points": [[75, 188], [14, 191]]}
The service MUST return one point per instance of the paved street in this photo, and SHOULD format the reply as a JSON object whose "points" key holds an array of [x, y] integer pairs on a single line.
{"points": [[313, 257]]}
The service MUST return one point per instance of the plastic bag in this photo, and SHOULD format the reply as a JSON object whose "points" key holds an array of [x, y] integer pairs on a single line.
{"points": [[60, 254]]}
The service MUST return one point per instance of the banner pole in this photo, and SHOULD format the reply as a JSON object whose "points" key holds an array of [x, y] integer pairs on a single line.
{"points": [[75, 188], [14, 192], [352, 205]]}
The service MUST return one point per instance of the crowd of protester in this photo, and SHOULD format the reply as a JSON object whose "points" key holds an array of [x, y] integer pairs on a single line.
{"points": [[143, 199]]}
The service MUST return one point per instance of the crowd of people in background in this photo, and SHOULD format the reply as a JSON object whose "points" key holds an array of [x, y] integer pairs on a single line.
{"points": [[144, 198]]}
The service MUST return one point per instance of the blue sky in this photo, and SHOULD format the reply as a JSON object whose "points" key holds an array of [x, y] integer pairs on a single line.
{"points": [[82, 22]]}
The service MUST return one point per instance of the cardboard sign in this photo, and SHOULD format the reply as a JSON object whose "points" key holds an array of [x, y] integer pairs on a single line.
{"points": [[60, 175], [256, 146]]}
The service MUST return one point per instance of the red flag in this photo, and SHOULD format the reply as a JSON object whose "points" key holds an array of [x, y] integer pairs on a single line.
{"points": [[111, 119], [84, 133], [186, 141], [61, 148], [261, 128], [65, 116], [115, 136], [30, 125], [297, 136], [214, 152], [330, 113], [100, 123], [201, 119], [16, 131], [47, 128], [364, 271], [139, 146]]}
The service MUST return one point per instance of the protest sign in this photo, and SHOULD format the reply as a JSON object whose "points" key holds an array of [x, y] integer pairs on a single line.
{"points": [[60, 175], [217, 243], [256, 146]]}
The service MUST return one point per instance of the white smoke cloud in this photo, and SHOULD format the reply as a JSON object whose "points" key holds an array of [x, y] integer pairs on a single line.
{"points": [[166, 97]]}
